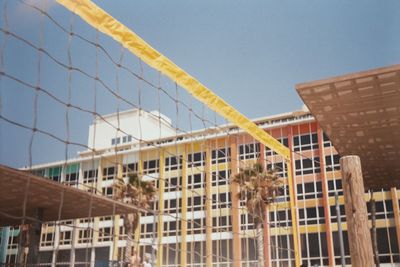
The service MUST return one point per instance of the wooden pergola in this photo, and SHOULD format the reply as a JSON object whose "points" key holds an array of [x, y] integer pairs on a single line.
{"points": [[22, 194], [360, 113]]}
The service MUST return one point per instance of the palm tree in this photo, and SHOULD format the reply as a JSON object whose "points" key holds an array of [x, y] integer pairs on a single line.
{"points": [[259, 188], [138, 193]]}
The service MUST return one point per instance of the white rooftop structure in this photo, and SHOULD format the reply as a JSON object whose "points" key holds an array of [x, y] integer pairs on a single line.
{"points": [[104, 133]]}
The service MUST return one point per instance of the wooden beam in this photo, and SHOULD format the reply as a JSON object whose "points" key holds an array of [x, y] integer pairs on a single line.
{"points": [[356, 212]]}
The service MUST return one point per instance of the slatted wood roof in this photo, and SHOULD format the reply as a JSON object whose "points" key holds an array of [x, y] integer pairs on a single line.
{"points": [[58, 201], [360, 113]]}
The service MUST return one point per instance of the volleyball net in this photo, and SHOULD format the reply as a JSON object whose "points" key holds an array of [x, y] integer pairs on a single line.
{"points": [[87, 103]]}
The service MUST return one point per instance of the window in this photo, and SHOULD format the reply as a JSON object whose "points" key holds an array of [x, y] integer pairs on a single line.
{"points": [[196, 203], [47, 239], [283, 140], [307, 166], [85, 236], [151, 166], [170, 228], [278, 167], [221, 200], [173, 163], [115, 141], [196, 159], [129, 168], [332, 162], [72, 174], [309, 190], [170, 205], [327, 142], [173, 184], [107, 191], [122, 233], [220, 178], [335, 185], [65, 237], [249, 151], [196, 180], [222, 224], [105, 234], [90, 176], [55, 174], [246, 222], [197, 226], [39, 172], [221, 155], [13, 240], [313, 215], [280, 218], [109, 173], [125, 139], [305, 142], [147, 230]]}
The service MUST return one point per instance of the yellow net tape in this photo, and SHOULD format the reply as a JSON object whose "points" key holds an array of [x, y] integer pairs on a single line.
{"points": [[105, 23]]}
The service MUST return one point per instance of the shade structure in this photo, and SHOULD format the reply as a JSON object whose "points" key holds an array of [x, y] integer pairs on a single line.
{"points": [[57, 201], [360, 112]]}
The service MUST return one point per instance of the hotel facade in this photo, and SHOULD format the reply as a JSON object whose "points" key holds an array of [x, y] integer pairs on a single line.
{"points": [[196, 220]]}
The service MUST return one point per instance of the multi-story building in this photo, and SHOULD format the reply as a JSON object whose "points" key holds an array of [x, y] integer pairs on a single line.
{"points": [[192, 174]]}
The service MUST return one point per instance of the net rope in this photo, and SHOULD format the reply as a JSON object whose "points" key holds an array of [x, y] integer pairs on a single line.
{"points": [[162, 95]]}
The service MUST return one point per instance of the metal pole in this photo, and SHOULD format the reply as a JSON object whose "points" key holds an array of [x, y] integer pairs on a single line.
{"points": [[340, 231]]}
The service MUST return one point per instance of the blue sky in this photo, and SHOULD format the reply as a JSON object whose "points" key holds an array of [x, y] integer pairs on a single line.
{"points": [[251, 53]]}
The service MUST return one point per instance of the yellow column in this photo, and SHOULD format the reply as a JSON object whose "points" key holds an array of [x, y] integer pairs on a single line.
{"points": [[396, 211], [115, 237], [293, 211], [138, 229], [160, 227], [184, 209], [209, 249], [99, 177], [237, 246], [116, 221]]}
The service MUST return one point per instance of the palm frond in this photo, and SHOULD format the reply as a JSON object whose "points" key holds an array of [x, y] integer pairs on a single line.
{"points": [[259, 187]]}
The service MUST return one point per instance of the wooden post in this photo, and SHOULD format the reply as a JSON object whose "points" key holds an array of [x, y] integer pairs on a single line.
{"points": [[356, 212]]}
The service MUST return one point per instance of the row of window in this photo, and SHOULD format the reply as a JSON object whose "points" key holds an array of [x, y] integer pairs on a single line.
{"points": [[118, 140]]}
